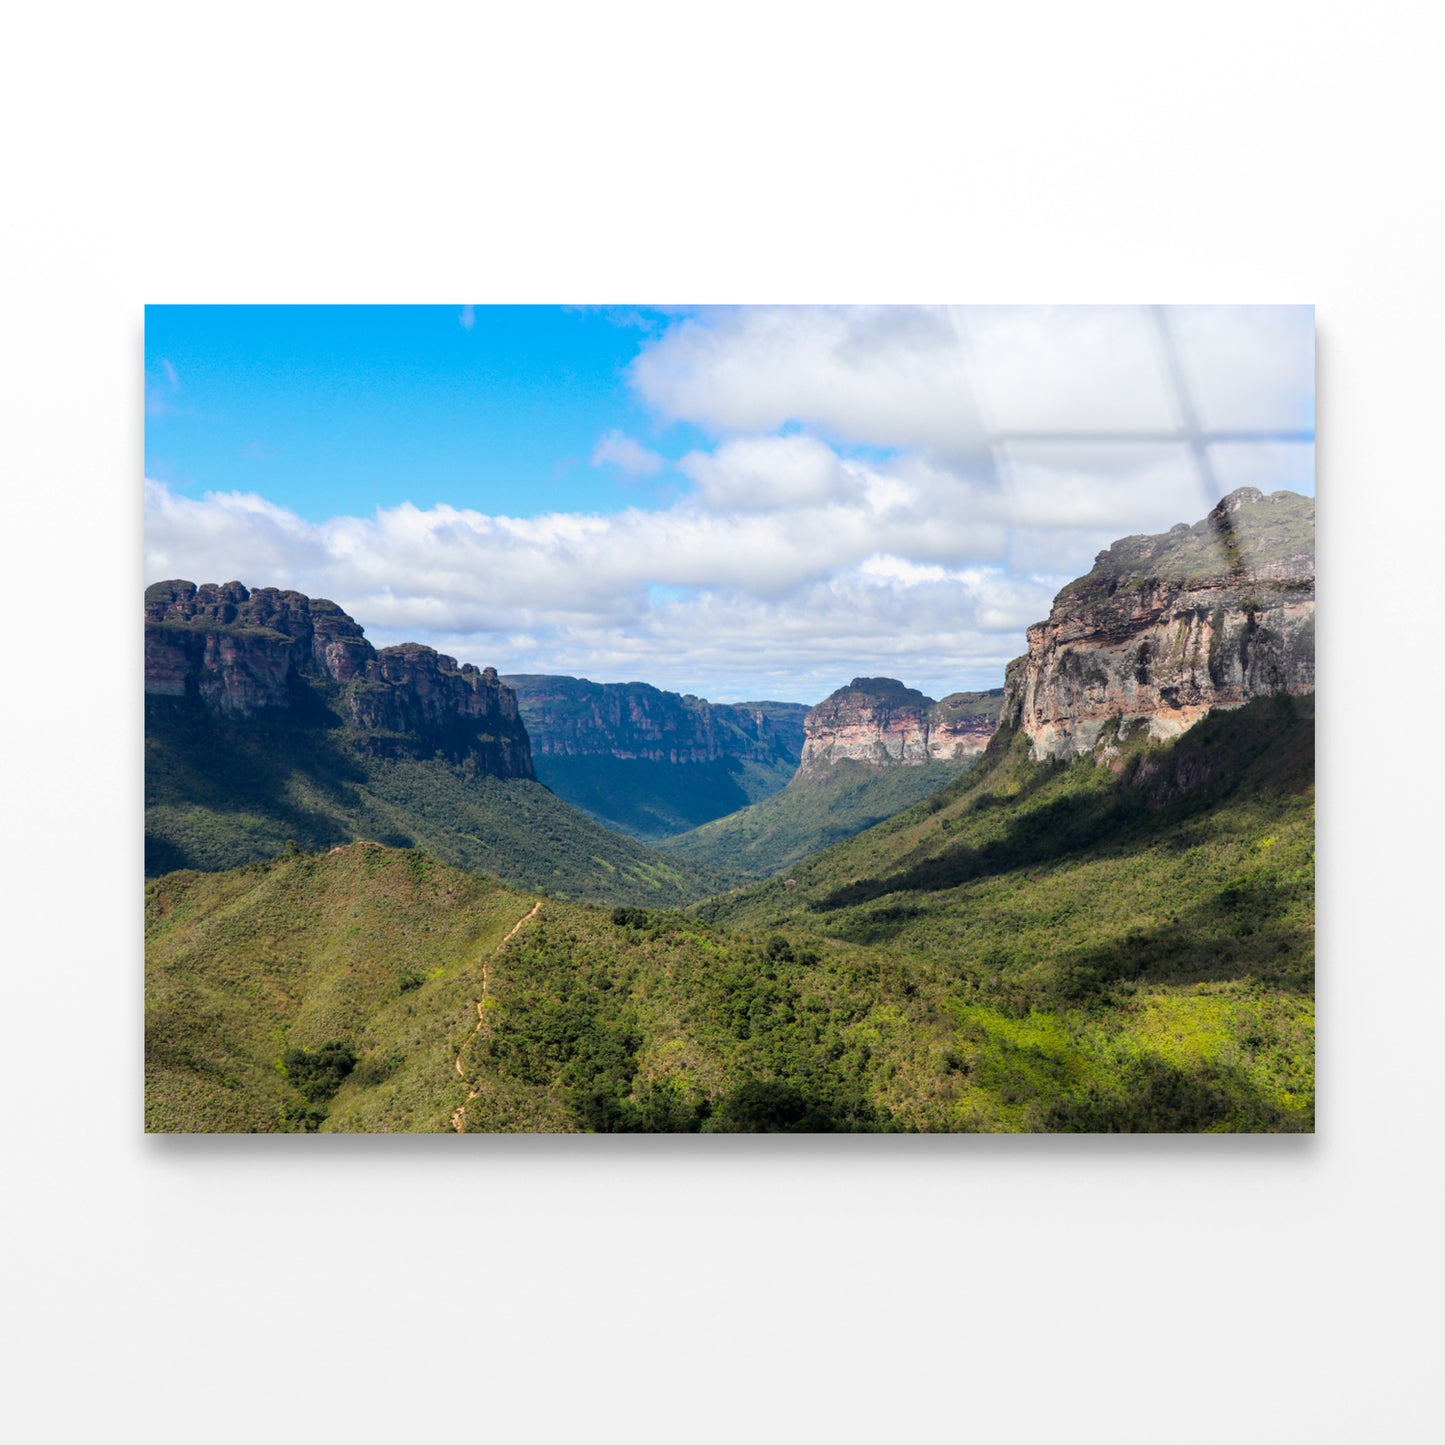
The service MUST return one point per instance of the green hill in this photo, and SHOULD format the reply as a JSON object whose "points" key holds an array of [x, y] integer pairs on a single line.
{"points": [[814, 811], [225, 791], [374, 989], [1037, 947], [1128, 945]]}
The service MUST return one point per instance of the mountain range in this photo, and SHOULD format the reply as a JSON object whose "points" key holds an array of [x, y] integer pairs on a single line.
{"points": [[1096, 916]]}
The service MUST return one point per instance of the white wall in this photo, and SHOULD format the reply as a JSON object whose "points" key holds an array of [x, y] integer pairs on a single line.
{"points": [[908, 1290]]}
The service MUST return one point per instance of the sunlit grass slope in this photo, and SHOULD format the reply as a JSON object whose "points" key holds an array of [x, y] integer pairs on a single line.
{"points": [[812, 812], [1040, 947], [1123, 946]]}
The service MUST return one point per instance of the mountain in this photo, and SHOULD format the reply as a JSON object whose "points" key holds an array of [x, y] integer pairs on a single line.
{"points": [[272, 723], [1127, 950], [1122, 890], [1116, 935], [242, 655], [879, 720], [653, 763], [870, 750], [1165, 628]]}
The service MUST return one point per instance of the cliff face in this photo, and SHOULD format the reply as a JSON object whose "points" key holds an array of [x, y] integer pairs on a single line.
{"points": [[1165, 628], [572, 717], [242, 653], [879, 720]]}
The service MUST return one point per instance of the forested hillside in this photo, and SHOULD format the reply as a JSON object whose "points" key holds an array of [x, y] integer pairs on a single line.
{"points": [[220, 792], [1041, 946], [815, 810]]}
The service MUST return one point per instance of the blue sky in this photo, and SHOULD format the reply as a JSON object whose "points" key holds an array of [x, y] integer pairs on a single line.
{"points": [[341, 409], [740, 502]]}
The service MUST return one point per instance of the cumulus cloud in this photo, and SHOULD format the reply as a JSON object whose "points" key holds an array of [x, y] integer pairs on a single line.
{"points": [[1081, 369], [783, 574], [631, 457], [1145, 486], [768, 474], [885, 376], [1266, 465], [886, 490], [788, 565], [1249, 367], [949, 381]]}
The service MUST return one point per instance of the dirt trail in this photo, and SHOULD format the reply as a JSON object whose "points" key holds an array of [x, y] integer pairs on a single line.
{"points": [[459, 1115]]}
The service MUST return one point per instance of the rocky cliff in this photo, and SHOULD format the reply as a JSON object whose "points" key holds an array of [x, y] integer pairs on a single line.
{"points": [[1165, 628], [879, 720], [572, 717], [243, 654]]}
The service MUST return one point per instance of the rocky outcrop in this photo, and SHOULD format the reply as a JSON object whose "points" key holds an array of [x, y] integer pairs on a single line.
{"points": [[573, 717], [878, 720], [241, 653], [1166, 628], [960, 725]]}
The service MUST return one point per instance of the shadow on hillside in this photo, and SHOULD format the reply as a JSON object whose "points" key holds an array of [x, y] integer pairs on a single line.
{"points": [[1268, 745], [243, 768], [1158, 1097], [1233, 932]]}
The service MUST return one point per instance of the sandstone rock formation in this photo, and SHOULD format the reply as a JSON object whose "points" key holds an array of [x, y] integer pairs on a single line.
{"points": [[573, 717], [1165, 628], [878, 720], [242, 654]]}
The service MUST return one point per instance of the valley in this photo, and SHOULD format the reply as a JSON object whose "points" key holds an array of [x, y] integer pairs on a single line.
{"points": [[1080, 902]]}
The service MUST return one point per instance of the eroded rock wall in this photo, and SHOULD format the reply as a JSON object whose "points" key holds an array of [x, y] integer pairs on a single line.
{"points": [[1166, 628], [243, 653], [879, 720], [572, 717]]}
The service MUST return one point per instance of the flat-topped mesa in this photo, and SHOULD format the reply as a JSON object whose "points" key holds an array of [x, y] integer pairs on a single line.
{"points": [[879, 720], [243, 653], [1165, 628], [574, 717]]}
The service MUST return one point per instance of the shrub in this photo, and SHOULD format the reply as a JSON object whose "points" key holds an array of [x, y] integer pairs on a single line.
{"points": [[319, 1075]]}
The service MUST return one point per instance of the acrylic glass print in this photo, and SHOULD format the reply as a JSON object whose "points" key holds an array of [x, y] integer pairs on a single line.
{"points": [[729, 719]]}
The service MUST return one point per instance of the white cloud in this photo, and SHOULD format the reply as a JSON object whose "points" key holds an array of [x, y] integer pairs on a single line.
{"points": [[467, 318], [789, 565], [629, 456], [767, 474], [946, 380], [1268, 466], [1142, 487], [1068, 369], [794, 564], [886, 376], [1249, 367]]}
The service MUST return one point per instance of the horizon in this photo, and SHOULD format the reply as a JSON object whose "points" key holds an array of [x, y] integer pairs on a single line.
{"points": [[740, 503]]}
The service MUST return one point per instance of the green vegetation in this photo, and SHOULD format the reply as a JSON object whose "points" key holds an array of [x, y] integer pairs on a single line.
{"points": [[652, 800], [815, 810], [614, 750], [224, 792], [1077, 946], [959, 707]]}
